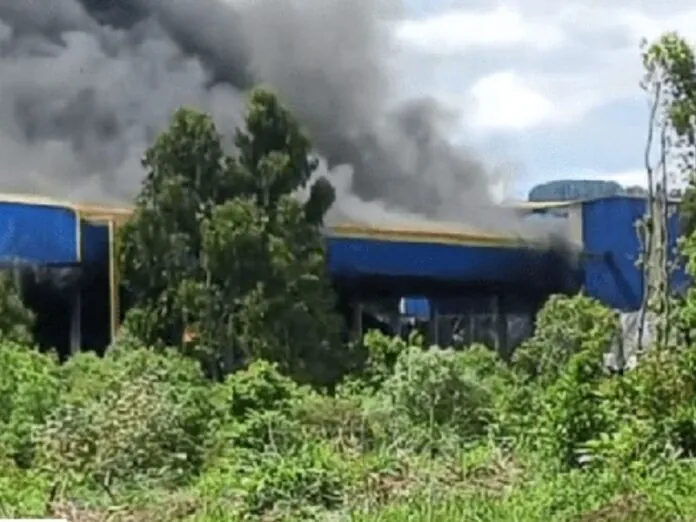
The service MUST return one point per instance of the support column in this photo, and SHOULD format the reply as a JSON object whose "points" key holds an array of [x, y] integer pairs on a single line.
{"points": [[434, 323], [500, 321], [114, 284], [17, 276], [357, 321], [76, 323]]}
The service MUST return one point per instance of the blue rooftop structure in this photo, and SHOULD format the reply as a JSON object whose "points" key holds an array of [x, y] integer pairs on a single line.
{"points": [[41, 233], [44, 232]]}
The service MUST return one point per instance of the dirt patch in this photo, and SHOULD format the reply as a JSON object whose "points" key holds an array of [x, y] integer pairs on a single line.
{"points": [[172, 509], [633, 508]]}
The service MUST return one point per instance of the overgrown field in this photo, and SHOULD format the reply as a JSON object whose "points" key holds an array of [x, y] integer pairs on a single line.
{"points": [[418, 434], [261, 411]]}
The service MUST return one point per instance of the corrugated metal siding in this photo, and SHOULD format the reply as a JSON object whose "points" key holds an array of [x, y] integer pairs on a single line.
{"points": [[610, 238], [440, 234], [37, 233], [356, 258]]}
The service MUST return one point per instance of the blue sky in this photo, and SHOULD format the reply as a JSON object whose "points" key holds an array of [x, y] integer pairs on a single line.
{"points": [[548, 88]]}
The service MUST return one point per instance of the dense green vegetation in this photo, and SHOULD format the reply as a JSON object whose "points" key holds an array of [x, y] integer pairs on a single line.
{"points": [[231, 396], [416, 434]]}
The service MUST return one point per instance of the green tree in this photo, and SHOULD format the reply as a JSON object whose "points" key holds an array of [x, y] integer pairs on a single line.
{"points": [[670, 64], [221, 258], [670, 81], [687, 210]]}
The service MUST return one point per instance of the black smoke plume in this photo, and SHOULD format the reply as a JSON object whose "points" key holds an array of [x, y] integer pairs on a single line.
{"points": [[85, 85]]}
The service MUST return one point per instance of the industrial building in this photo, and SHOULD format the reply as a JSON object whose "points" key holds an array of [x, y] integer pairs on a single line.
{"points": [[458, 286]]}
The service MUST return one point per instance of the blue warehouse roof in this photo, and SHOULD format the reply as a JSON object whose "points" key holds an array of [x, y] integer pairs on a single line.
{"points": [[38, 231], [447, 254], [43, 231]]}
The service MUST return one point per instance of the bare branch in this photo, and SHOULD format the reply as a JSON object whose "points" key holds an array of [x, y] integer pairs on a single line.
{"points": [[649, 222]]}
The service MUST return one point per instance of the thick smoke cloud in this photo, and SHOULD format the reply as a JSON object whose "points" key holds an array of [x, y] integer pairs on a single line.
{"points": [[85, 85]]}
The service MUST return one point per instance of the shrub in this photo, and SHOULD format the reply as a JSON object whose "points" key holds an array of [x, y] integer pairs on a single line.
{"points": [[338, 418], [259, 387], [382, 354], [254, 406], [564, 365], [135, 433], [16, 320], [87, 376], [434, 390], [654, 410], [133, 415], [29, 391], [565, 326], [301, 481], [23, 492]]}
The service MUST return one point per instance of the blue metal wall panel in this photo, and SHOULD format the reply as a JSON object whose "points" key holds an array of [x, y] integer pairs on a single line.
{"points": [[611, 272], [37, 233], [356, 258]]}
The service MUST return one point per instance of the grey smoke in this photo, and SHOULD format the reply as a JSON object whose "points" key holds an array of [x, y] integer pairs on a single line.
{"points": [[85, 85]]}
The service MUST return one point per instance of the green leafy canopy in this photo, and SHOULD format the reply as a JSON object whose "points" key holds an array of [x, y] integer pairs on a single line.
{"points": [[221, 246]]}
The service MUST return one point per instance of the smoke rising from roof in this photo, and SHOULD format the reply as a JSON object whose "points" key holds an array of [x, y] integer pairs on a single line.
{"points": [[85, 85]]}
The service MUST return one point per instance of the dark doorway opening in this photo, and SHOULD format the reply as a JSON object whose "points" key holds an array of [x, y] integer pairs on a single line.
{"points": [[50, 292], [95, 316]]}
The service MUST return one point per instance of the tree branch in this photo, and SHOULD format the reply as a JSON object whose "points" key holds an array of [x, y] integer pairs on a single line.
{"points": [[648, 228]]}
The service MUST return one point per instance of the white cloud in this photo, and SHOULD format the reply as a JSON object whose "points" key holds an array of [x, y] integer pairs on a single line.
{"points": [[627, 178], [516, 101], [461, 30], [601, 38], [505, 101], [511, 101], [549, 67], [638, 178], [613, 71], [642, 25]]}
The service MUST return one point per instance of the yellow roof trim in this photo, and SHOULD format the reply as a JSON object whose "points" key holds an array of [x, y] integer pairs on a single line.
{"points": [[540, 205], [434, 235], [442, 233], [85, 210], [35, 200], [102, 214]]}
